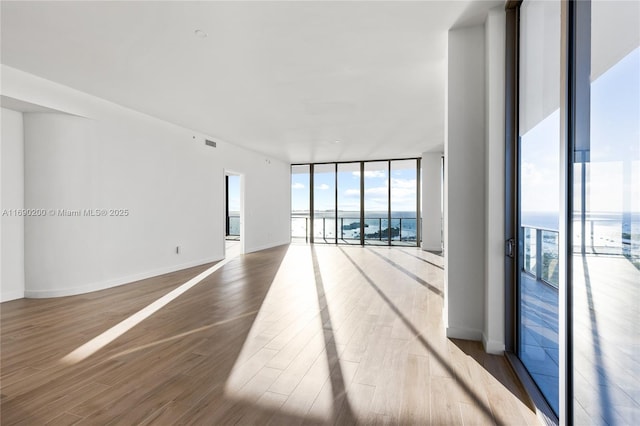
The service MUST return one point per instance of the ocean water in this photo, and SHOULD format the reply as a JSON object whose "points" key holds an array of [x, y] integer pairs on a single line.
{"points": [[403, 225], [605, 233], [544, 220]]}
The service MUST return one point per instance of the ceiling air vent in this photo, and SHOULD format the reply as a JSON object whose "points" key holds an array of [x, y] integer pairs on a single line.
{"points": [[210, 143]]}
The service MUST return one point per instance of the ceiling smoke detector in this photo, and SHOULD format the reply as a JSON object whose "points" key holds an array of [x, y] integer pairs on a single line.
{"points": [[200, 34]]}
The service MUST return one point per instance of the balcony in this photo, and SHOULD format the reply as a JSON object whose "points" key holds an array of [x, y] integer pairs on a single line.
{"points": [[606, 273], [539, 309], [403, 230]]}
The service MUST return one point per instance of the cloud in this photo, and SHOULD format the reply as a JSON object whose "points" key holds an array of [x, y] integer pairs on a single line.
{"points": [[297, 185], [372, 174], [403, 183], [378, 190], [539, 187], [323, 186], [403, 195], [531, 174]]}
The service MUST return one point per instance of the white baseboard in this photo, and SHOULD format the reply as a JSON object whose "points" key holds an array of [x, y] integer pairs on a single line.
{"points": [[464, 333], [102, 285], [431, 248], [266, 246], [11, 295], [494, 347]]}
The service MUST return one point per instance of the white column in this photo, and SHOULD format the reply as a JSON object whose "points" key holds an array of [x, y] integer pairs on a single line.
{"points": [[431, 201], [12, 225], [464, 185]]}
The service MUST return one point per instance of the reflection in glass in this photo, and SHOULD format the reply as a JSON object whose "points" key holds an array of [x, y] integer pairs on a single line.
{"points": [[606, 227]]}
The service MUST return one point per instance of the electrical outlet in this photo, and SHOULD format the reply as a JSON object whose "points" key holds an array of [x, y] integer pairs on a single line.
{"points": [[177, 249]]}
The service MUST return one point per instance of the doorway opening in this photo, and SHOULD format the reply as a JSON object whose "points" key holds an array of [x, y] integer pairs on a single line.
{"points": [[234, 224]]}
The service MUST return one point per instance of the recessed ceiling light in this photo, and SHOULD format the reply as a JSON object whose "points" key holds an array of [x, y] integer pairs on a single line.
{"points": [[336, 142], [200, 34]]}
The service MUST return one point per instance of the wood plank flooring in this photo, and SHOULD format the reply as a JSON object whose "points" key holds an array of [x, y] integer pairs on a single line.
{"points": [[291, 335]]}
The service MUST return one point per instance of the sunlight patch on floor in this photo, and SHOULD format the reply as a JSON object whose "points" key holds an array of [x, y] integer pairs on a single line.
{"points": [[102, 340], [288, 325]]}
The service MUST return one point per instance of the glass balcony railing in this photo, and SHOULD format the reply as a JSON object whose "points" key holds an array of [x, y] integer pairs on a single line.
{"points": [[300, 227], [541, 254], [603, 236], [233, 226], [402, 229]]}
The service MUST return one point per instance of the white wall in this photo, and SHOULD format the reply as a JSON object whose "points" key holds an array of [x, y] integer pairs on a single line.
{"points": [[494, 325], [12, 198], [464, 184], [431, 201], [266, 212], [103, 156]]}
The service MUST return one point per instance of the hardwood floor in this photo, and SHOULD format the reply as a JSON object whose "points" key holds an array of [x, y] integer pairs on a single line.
{"points": [[291, 335]]}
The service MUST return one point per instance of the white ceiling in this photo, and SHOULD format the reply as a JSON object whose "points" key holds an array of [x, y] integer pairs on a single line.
{"points": [[287, 79]]}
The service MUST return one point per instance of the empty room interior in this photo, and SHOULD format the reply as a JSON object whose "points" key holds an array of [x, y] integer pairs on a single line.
{"points": [[320, 212]]}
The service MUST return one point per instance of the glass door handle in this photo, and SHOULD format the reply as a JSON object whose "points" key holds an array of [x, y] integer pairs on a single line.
{"points": [[510, 247]]}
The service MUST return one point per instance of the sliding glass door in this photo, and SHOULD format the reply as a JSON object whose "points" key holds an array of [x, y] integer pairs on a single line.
{"points": [[539, 130], [576, 205]]}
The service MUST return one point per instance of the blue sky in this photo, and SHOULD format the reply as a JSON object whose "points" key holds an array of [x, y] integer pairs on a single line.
{"points": [[234, 193]]}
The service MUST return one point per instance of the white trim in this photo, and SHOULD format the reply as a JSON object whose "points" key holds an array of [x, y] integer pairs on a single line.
{"points": [[268, 246], [103, 285], [494, 347], [11, 295]]}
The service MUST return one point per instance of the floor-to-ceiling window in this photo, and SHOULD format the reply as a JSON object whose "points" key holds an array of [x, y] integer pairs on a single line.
{"points": [[376, 203], [361, 202], [324, 203], [300, 199], [404, 195], [349, 203], [605, 277], [577, 204], [539, 130]]}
